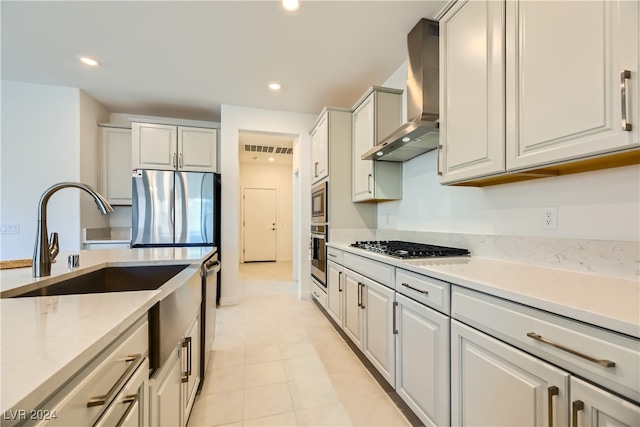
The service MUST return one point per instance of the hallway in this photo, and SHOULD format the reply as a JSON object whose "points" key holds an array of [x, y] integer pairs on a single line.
{"points": [[279, 362]]}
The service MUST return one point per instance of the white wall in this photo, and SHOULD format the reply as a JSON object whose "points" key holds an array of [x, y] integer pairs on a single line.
{"points": [[235, 119], [601, 205], [279, 177], [91, 113], [40, 146]]}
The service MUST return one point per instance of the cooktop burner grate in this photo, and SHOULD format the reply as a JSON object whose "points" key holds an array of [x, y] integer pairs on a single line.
{"points": [[407, 250]]}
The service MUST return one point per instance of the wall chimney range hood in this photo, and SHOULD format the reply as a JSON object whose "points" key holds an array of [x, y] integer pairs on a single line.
{"points": [[422, 131]]}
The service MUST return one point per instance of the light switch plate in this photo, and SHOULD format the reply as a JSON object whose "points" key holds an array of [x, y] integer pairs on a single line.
{"points": [[10, 229]]}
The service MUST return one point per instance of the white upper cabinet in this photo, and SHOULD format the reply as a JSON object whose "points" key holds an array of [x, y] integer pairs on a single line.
{"points": [[472, 113], [374, 117], [166, 147], [533, 85], [564, 86], [115, 182], [320, 149]]}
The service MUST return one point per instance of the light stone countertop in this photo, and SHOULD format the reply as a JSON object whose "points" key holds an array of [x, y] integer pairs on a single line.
{"points": [[45, 340], [610, 303]]}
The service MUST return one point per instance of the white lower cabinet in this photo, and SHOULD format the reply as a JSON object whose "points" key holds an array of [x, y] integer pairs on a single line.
{"points": [[378, 303], [422, 360], [335, 291], [174, 385], [493, 384], [593, 407], [353, 324], [130, 407]]}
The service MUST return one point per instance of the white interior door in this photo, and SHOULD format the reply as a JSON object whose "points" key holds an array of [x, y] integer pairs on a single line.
{"points": [[259, 224]]}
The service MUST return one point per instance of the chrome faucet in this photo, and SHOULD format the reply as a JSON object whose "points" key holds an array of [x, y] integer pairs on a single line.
{"points": [[44, 251]]}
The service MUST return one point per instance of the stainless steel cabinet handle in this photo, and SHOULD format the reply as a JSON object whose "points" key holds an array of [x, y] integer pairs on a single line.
{"points": [[339, 280], [333, 255], [173, 160], [132, 400], [369, 183], [359, 294], [576, 406], [415, 289], [624, 76], [362, 296], [438, 159], [185, 374], [180, 161], [317, 296], [552, 391], [395, 311], [101, 400], [315, 169], [189, 359], [602, 362]]}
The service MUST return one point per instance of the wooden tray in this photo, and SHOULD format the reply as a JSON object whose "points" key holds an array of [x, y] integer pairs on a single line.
{"points": [[17, 263]]}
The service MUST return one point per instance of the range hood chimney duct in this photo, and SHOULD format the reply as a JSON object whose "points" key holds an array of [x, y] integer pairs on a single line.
{"points": [[421, 133]]}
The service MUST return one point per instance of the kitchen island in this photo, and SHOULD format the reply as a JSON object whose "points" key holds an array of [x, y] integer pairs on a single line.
{"points": [[47, 339]]}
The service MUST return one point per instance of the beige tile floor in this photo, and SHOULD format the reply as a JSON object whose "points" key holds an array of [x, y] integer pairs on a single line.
{"points": [[279, 362]]}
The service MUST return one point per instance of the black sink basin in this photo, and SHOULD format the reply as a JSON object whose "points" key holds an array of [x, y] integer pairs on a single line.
{"points": [[111, 279]]}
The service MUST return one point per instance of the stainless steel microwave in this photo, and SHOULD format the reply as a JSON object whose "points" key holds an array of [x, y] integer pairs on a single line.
{"points": [[319, 203]]}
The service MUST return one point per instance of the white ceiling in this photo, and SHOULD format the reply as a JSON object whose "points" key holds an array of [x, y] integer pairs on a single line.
{"points": [[184, 59]]}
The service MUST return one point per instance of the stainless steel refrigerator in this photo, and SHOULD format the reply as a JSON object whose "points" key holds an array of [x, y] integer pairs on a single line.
{"points": [[175, 209]]}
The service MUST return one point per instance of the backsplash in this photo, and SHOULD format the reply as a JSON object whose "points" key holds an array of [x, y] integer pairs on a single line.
{"points": [[602, 257]]}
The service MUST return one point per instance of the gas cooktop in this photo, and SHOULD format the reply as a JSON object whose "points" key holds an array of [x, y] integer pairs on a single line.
{"points": [[408, 250]]}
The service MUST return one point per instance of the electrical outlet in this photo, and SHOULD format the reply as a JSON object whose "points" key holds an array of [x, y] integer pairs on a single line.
{"points": [[550, 218], [10, 229]]}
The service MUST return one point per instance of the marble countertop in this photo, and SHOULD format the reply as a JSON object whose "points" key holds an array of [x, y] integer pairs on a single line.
{"points": [[45, 340], [607, 302]]}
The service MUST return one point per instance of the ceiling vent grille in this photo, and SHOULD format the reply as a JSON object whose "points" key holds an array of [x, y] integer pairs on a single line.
{"points": [[268, 149]]}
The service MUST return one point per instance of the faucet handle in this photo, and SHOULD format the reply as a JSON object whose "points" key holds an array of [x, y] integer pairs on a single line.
{"points": [[53, 245]]}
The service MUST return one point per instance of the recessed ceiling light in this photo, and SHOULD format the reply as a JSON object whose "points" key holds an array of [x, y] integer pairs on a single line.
{"points": [[89, 61], [379, 153], [271, 159], [274, 86], [290, 5]]}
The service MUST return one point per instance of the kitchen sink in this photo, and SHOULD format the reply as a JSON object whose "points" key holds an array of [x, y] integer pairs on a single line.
{"points": [[111, 279]]}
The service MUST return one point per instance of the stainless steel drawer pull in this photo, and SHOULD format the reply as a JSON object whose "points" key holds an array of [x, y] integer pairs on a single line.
{"points": [[359, 294], [362, 296], [576, 406], [395, 312], [602, 362], [415, 289], [552, 391], [101, 400], [438, 159], [333, 255], [132, 400], [339, 281], [624, 76]]}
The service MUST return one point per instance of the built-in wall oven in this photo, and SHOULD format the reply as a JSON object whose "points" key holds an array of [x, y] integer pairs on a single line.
{"points": [[319, 253]]}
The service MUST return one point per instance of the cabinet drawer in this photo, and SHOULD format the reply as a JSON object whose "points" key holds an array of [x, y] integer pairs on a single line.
{"points": [[102, 378], [335, 255], [540, 333], [381, 273], [427, 290], [319, 294]]}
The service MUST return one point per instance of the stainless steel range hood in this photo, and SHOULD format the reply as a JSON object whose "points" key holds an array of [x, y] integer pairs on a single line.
{"points": [[421, 133]]}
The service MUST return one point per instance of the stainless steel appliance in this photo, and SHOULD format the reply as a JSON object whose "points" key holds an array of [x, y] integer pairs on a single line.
{"points": [[421, 133], [209, 272], [319, 203], [319, 253], [174, 209], [408, 250]]}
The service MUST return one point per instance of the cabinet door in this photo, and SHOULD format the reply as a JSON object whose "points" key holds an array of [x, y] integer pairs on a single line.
{"points": [[197, 149], [564, 95], [191, 366], [363, 140], [116, 165], [422, 361], [472, 106], [593, 407], [379, 344], [494, 384], [335, 292], [154, 146], [168, 395], [320, 149], [353, 313]]}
